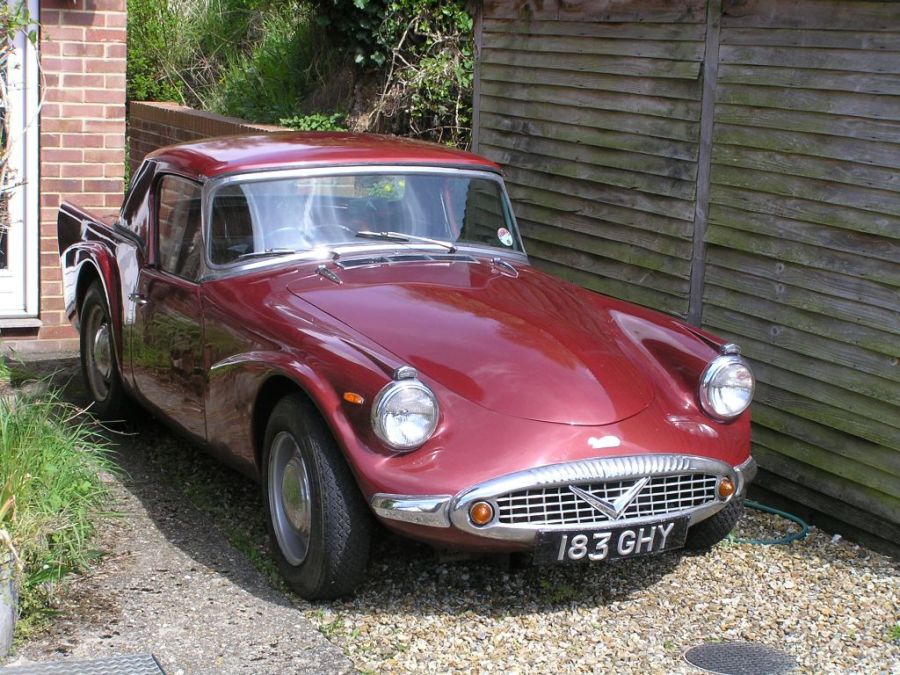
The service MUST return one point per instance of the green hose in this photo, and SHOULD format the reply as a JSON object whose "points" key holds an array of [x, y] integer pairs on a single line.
{"points": [[787, 539]]}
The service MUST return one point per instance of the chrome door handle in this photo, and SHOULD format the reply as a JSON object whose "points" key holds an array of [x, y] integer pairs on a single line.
{"points": [[138, 298]]}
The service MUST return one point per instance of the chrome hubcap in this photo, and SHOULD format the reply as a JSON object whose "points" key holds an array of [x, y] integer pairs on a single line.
{"points": [[97, 352], [102, 360], [295, 494], [290, 501]]}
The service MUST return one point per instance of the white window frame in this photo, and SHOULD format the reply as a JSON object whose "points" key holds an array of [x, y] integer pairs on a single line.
{"points": [[21, 303]]}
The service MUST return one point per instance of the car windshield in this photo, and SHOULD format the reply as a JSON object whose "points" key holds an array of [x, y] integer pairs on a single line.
{"points": [[281, 215]]}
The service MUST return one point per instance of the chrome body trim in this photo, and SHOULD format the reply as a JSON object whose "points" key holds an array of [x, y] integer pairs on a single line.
{"points": [[446, 511], [323, 271], [503, 265], [746, 472], [405, 373], [430, 510], [583, 471]]}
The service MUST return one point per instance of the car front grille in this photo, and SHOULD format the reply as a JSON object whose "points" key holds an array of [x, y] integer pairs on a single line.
{"points": [[560, 506]]}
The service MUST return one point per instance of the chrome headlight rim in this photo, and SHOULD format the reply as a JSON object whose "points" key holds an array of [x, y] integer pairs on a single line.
{"points": [[712, 371], [379, 406]]}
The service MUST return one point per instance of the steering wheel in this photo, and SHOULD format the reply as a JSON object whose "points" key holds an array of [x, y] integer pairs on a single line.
{"points": [[283, 237], [348, 232]]}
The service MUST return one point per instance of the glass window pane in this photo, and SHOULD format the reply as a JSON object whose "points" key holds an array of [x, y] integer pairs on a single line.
{"points": [[299, 214], [178, 227]]}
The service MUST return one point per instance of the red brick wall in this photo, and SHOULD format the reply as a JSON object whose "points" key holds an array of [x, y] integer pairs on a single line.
{"points": [[82, 141], [155, 125]]}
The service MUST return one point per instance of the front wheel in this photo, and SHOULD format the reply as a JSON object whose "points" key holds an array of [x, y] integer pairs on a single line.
{"points": [[98, 356], [709, 532], [319, 524]]}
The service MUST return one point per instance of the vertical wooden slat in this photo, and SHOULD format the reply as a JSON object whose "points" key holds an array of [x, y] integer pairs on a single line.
{"points": [[707, 119], [476, 86]]}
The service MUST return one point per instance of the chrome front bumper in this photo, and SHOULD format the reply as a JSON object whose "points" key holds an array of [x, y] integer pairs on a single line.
{"points": [[453, 510]]}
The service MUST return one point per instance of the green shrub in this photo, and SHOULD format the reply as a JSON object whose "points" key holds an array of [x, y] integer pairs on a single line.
{"points": [[424, 51], [266, 60], [315, 122], [254, 59], [266, 80], [374, 29], [152, 70], [51, 459]]}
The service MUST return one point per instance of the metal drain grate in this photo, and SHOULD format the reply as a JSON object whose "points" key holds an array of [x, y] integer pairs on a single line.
{"points": [[739, 658], [138, 664]]}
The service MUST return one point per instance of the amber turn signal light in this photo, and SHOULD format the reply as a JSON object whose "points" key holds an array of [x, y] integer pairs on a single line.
{"points": [[354, 398], [481, 513], [725, 488]]}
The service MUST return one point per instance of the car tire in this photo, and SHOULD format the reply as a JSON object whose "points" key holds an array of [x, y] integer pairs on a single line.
{"points": [[709, 532], [99, 365], [319, 524]]}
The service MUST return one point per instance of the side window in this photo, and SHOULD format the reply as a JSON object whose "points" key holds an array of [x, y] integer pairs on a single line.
{"points": [[178, 226], [134, 212]]}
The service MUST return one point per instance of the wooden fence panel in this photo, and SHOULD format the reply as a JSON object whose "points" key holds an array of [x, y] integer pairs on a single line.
{"points": [[596, 123], [736, 162], [803, 245]]}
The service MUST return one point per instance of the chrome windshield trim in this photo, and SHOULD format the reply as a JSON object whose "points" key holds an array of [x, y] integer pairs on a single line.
{"points": [[584, 471], [428, 510], [327, 255]]}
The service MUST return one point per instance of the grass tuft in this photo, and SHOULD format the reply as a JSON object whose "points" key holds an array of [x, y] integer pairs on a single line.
{"points": [[894, 633], [51, 463]]}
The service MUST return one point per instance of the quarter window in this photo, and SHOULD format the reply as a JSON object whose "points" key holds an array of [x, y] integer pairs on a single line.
{"points": [[134, 215], [178, 226]]}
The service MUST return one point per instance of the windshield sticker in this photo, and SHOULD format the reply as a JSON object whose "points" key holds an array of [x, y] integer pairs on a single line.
{"points": [[505, 236]]}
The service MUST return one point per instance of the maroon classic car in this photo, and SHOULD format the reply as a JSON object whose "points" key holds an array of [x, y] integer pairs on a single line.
{"points": [[353, 321]]}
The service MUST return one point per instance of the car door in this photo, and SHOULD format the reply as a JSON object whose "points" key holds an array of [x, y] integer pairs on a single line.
{"points": [[167, 358]]}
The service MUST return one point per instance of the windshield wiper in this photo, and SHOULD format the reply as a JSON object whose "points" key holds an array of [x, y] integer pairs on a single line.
{"points": [[399, 236], [265, 254]]}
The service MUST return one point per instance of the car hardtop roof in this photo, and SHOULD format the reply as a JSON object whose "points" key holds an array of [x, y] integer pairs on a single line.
{"points": [[230, 154]]}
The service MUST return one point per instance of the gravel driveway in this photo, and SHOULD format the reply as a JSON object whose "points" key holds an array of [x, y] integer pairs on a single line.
{"points": [[832, 605]]}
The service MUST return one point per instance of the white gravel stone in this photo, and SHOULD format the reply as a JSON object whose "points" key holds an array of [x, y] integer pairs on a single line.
{"points": [[829, 604]]}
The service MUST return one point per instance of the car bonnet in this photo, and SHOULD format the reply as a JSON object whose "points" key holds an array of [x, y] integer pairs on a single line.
{"points": [[527, 346]]}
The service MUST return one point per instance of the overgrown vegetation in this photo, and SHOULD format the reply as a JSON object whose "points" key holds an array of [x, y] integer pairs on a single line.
{"points": [[51, 460], [249, 58], [422, 54], [397, 66]]}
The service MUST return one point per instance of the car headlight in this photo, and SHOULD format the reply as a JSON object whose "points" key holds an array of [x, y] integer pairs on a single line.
{"points": [[726, 386], [405, 413]]}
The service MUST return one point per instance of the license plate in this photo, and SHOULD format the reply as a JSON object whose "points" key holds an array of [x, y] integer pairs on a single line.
{"points": [[563, 546]]}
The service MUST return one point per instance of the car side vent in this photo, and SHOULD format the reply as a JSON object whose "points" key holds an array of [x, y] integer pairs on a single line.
{"points": [[361, 262], [368, 261], [450, 257]]}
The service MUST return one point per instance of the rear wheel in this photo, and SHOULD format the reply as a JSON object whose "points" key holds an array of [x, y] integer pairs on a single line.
{"points": [[319, 524], [98, 356], [714, 529]]}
